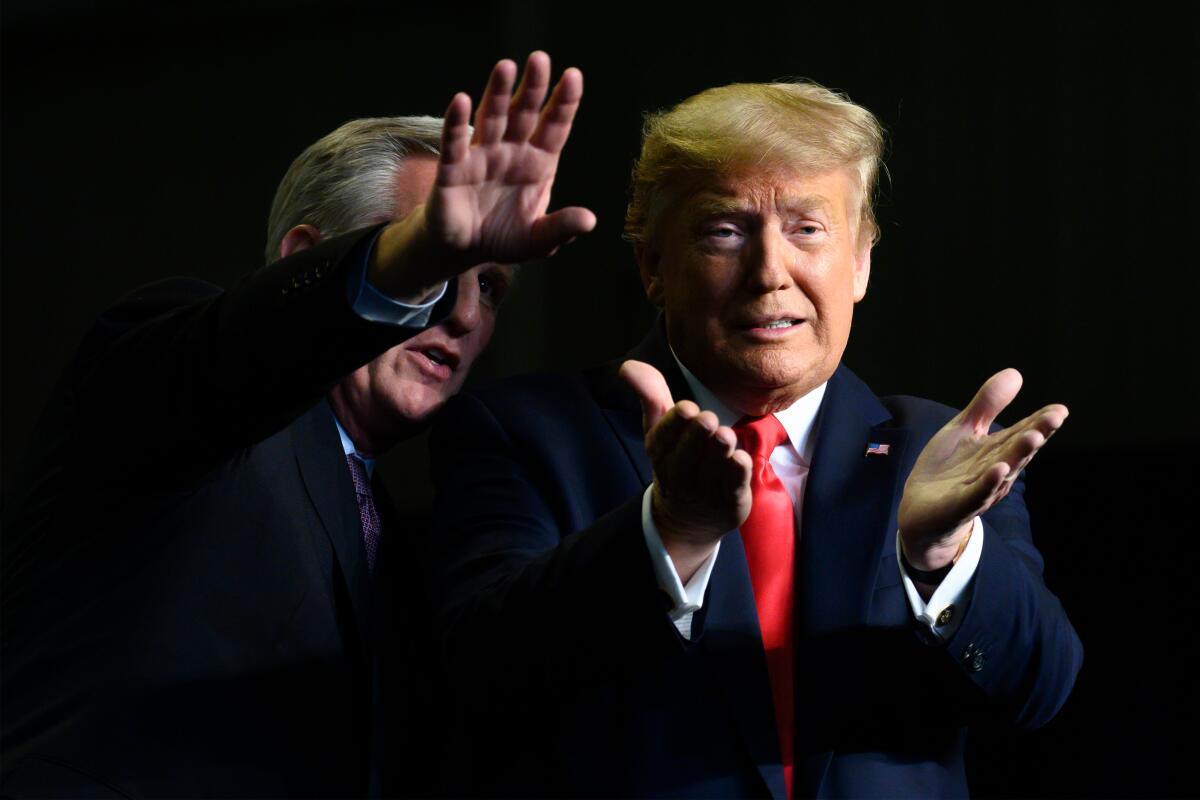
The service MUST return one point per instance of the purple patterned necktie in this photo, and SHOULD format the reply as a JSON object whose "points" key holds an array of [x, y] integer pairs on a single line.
{"points": [[366, 508]]}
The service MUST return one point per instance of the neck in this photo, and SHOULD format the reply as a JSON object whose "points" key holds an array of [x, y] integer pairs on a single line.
{"points": [[368, 440]]}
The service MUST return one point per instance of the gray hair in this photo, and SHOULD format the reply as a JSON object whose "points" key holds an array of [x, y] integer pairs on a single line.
{"points": [[346, 180]]}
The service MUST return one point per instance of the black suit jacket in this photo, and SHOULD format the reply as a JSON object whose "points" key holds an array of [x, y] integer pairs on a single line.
{"points": [[583, 687], [186, 604]]}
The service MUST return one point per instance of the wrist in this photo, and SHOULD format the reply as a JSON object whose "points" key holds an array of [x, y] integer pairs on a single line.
{"points": [[937, 557], [407, 263], [686, 543]]}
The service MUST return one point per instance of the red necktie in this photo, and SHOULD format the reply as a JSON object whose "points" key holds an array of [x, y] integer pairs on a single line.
{"points": [[769, 536]]}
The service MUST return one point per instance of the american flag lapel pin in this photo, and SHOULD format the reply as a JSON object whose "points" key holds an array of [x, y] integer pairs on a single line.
{"points": [[877, 449]]}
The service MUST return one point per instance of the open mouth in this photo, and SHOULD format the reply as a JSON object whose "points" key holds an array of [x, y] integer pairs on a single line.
{"points": [[439, 357], [780, 324]]}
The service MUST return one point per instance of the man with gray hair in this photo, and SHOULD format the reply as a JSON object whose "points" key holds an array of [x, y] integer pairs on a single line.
{"points": [[195, 556], [722, 567]]}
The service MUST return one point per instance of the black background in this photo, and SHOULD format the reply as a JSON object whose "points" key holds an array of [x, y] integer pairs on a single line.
{"points": [[1044, 166]]}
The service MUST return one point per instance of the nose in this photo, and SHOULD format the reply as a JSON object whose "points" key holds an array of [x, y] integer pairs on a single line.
{"points": [[769, 265], [464, 318]]}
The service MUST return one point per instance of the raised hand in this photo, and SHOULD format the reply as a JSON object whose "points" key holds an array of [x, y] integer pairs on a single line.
{"points": [[493, 188], [492, 191], [964, 470], [701, 479]]}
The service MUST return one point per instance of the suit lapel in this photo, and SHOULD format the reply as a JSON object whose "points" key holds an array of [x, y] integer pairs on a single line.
{"points": [[620, 404], [330, 488], [849, 503]]}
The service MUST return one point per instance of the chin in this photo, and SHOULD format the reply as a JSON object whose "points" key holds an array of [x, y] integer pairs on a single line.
{"points": [[413, 404]]}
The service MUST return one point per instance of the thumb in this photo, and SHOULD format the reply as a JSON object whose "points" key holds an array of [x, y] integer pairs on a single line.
{"points": [[992, 398], [559, 227], [651, 388]]}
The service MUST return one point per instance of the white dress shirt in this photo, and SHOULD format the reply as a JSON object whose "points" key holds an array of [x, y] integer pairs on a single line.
{"points": [[791, 461]]}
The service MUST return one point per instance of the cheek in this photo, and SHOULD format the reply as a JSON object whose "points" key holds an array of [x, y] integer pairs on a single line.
{"points": [[477, 341]]}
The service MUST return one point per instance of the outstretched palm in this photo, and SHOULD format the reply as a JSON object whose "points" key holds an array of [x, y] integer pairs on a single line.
{"points": [[964, 470], [493, 188]]}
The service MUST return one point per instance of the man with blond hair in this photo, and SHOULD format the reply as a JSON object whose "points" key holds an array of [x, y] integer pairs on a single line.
{"points": [[723, 567], [196, 563]]}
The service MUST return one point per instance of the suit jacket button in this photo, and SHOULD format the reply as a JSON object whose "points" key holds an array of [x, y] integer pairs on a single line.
{"points": [[973, 658], [946, 615]]}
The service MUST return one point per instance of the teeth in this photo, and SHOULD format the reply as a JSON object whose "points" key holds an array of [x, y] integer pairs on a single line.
{"points": [[434, 357], [780, 323]]}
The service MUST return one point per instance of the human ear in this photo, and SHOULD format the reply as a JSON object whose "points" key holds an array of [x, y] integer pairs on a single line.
{"points": [[862, 271], [299, 238], [648, 259]]}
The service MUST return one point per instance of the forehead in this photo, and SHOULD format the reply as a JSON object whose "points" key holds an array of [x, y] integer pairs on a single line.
{"points": [[414, 179], [762, 192]]}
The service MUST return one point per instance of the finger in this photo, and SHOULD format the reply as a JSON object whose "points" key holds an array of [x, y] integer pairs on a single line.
{"points": [[746, 462], [992, 398], [456, 130], [1021, 449], [492, 115], [651, 388], [700, 460], [1045, 421], [982, 493], [523, 113], [555, 124], [727, 438], [719, 459], [662, 438], [557, 228], [1050, 419]]}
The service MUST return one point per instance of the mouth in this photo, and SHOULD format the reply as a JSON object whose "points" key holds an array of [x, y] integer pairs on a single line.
{"points": [[440, 356], [436, 361], [773, 325]]}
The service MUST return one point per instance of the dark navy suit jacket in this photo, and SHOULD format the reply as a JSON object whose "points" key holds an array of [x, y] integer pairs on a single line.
{"points": [[578, 684], [186, 603]]}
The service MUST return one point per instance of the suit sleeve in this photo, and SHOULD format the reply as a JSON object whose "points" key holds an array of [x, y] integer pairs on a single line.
{"points": [[528, 562], [189, 374], [1015, 642]]}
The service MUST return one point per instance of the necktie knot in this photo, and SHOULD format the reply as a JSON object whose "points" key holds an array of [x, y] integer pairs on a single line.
{"points": [[759, 436]]}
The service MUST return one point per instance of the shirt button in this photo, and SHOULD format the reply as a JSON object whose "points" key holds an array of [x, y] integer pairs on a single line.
{"points": [[946, 615]]}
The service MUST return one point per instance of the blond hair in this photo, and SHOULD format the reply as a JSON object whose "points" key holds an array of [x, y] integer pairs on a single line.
{"points": [[799, 126]]}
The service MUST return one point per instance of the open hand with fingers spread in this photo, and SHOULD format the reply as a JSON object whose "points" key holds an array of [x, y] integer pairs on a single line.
{"points": [[964, 470], [490, 200], [701, 478]]}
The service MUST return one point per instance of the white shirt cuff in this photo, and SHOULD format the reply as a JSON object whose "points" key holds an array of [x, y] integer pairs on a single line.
{"points": [[945, 610], [372, 304], [685, 600]]}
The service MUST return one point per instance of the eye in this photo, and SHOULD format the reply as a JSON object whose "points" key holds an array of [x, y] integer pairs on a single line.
{"points": [[492, 288], [723, 235]]}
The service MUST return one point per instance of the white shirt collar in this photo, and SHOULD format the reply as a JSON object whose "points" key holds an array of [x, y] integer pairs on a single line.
{"points": [[798, 420], [348, 447]]}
